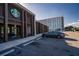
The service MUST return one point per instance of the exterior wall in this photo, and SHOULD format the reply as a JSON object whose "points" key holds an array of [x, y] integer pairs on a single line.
{"points": [[2, 10], [22, 26], [41, 28], [30, 24], [10, 6], [54, 24], [37, 28]]}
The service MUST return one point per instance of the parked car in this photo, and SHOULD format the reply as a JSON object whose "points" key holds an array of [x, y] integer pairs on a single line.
{"points": [[54, 34]]}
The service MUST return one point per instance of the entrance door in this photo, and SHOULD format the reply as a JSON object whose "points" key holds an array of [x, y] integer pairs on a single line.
{"points": [[1, 33], [18, 31], [11, 32], [14, 31]]}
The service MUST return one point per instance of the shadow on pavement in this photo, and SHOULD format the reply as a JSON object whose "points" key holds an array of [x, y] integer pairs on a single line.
{"points": [[70, 39], [47, 47]]}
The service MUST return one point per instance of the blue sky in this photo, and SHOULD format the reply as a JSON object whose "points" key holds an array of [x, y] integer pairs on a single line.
{"points": [[48, 10]]}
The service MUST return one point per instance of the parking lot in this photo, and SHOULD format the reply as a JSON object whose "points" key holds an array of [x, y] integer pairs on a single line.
{"points": [[45, 47]]}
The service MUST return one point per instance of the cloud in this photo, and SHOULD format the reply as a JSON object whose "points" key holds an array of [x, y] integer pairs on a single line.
{"points": [[73, 24]]}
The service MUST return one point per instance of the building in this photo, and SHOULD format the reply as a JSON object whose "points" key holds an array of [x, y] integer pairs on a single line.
{"points": [[54, 24], [41, 28], [15, 21]]}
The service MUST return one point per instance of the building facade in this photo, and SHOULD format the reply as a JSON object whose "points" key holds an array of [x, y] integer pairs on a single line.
{"points": [[15, 21], [54, 24], [41, 28]]}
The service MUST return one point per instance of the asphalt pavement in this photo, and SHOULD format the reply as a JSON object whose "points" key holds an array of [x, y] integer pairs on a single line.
{"points": [[44, 47]]}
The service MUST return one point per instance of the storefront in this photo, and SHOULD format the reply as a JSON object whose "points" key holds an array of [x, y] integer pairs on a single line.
{"points": [[15, 22]]}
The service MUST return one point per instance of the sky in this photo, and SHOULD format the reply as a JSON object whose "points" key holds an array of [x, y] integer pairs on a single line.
{"points": [[70, 12]]}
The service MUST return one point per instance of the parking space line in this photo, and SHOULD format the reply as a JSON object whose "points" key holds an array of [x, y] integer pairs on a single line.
{"points": [[12, 50], [7, 52], [31, 41], [27, 43], [39, 38]]}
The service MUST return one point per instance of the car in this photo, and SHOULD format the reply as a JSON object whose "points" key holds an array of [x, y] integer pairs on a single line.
{"points": [[54, 34]]}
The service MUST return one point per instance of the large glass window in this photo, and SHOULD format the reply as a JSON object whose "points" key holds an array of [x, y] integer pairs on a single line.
{"points": [[1, 33], [2, 30]]}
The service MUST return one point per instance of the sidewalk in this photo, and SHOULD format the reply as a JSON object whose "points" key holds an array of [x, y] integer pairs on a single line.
{"points": [[9, 44]]}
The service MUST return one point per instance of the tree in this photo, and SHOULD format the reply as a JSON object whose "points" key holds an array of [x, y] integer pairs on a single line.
{"points": [[71, 28], [76, 28]]}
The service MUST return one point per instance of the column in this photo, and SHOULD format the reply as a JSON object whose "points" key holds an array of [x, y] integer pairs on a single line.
{"points": [[22, 23], [6, 23], [34, 26], [26, 23]]}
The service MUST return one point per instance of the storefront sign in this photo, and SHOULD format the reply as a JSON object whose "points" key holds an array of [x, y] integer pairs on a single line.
{"points": [[15, 12]]}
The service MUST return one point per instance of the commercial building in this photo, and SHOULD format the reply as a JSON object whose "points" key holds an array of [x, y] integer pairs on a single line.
{"points": [[41, 28], [18, 22], [54, 24], [15, 21]]}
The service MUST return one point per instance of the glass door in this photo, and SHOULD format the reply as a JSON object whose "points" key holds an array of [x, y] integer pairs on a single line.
{"points": [[11, 31], [1, 33], [18, 31]]}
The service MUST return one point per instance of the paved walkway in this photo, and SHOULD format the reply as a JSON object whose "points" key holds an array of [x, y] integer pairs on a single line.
{"points": [[9, 44]]}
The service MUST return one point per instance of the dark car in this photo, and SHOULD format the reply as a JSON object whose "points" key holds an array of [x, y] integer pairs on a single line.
{"points": [[54, 34]]}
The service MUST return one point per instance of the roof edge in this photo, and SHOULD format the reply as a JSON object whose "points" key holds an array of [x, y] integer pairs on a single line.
{"points": [[23, 8]]}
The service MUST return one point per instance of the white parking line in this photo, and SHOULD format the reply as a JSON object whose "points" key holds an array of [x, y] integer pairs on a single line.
{"points": [[39, 38], [7, 52], [27, 43], [30, 42]]}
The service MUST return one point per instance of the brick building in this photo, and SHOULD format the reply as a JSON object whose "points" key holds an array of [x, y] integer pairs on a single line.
{"points": [[41, 28], [15, 21]]}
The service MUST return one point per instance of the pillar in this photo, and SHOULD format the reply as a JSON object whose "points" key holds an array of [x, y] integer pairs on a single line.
{"points": [[23, 23], [34, 26], [6, 23], [26, 24]]}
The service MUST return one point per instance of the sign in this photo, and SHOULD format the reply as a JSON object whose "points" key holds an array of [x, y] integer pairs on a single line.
{"points": [[15, 12]]}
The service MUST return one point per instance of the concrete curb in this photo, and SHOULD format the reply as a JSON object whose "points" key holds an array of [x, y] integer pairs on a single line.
{"points": [[10, 44]]}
